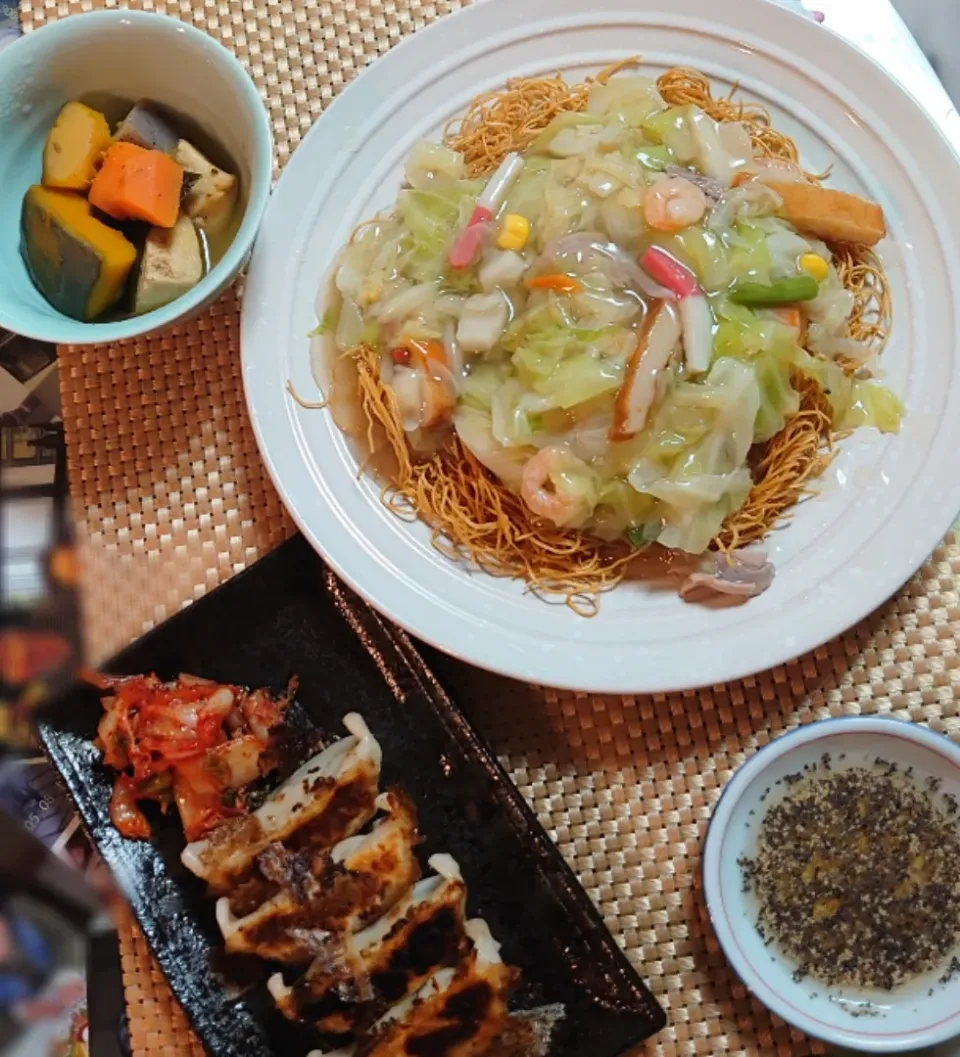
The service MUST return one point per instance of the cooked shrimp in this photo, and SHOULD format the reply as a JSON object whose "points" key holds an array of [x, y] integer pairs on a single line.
{"points": [[672, 203], [424, 390], [546, 487], [437, 401], [437, 398]]}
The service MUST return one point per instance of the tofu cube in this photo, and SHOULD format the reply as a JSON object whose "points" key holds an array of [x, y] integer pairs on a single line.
{"points": [[171, 265]]}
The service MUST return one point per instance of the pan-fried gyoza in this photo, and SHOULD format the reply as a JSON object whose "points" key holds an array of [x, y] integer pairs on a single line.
{"points": [[322, 879], [457, 1012], [338, 890], [389, 959], [332, 796], [375, 957]]}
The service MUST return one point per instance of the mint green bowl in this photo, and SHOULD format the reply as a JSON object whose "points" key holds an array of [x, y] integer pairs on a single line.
{"points": [[126, 55]]}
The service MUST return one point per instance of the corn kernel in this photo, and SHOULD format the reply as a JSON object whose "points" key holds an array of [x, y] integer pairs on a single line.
{"points": [[514, 232], [814, 265]]}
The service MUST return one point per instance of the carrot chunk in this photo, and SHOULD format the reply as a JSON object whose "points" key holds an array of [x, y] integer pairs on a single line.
{"points": [[138, 184]]}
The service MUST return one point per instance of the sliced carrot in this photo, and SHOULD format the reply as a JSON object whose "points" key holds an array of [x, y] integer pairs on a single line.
{"points": [[428, 351], [138, 184], [789, 317], [562, 284]]}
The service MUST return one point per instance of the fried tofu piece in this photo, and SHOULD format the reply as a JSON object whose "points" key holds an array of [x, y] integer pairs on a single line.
{"points": [[211, 193], [834, 216], [171, 265]]}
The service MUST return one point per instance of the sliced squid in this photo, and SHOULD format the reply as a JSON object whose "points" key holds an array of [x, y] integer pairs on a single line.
{"points": [[657, 342], [387, 960], [339, 890], [457, 1012], [729, 578], [330, 797]]}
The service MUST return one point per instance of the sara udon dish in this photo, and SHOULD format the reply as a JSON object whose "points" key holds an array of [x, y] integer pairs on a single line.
{"points": [[608, 326], [832, 562]]}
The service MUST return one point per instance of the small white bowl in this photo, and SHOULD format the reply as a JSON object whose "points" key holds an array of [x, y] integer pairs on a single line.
{"points": [[907, 1018]]}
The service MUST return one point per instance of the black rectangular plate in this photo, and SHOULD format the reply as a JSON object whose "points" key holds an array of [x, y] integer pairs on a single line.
{"points": [[288, 615]]}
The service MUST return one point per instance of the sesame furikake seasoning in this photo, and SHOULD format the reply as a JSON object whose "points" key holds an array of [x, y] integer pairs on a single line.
{"points": [[857, 875]]}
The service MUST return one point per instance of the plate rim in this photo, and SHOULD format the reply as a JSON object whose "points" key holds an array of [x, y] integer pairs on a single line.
{"points": [[489, 649]]}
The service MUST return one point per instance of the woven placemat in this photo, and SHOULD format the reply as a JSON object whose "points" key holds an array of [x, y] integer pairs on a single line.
{"points": [[157, 1024], [171, 498]]}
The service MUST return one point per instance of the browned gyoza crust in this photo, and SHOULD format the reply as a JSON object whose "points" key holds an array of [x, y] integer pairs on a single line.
{"points": [[334, 890], [332, 796]]}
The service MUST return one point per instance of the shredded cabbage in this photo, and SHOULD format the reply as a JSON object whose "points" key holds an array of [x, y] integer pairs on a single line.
{"points": [[573, 380], [772, 349], [510, 415], [695, 509], [561, 123], [654, 157], [328, 322], [480, 385], [672, 129], [564, 365], [694, 138], [742, 333], [430, 220], [855, 402], [748, 255], [431, 165], [873, 405], [693, 460], [719, 259], [642, 535], [741, 203], [474, 430], [632, 99], [703, 252], [731, 394], [621, 217], [622, 510]]}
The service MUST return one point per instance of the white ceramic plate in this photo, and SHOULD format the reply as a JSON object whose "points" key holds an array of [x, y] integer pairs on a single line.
{"points": [[919, 1014], [887, 500]]}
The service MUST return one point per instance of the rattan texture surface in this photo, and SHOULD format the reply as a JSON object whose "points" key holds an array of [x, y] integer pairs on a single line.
{"points": [[157, 1024], [171, 498]]}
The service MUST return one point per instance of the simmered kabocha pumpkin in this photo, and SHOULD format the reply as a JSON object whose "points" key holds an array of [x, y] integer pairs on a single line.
{"points": [[74, 147], [78, 263]]}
